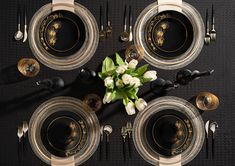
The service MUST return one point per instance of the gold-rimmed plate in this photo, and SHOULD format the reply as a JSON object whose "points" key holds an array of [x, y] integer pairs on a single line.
{"points": [[63, 133], [168, 34], [169, 132], [62, 33], [64, 127]]}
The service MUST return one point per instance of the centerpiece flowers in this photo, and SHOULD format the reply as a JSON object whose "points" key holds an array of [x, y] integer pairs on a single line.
{"points": [[123, 80]]}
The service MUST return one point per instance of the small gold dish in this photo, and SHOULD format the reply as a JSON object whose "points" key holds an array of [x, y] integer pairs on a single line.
{"points": [[134, 52], [28, 67], [93, 101], [207, 101]]}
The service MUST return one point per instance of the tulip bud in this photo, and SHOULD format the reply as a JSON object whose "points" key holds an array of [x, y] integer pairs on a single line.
{"points": [[140, 104]]}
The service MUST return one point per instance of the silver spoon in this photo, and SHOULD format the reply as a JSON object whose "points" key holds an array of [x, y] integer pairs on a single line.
{"points": [[107, 130], [125, 35], [213, 127], [213, 31], [207, 36], [18, 35]]}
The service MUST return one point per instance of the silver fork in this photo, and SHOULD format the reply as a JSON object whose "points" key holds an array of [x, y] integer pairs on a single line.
{"points": [[20, 133]]}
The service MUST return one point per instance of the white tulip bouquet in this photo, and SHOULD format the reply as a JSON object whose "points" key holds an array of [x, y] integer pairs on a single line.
{"points": [[123, 80]]}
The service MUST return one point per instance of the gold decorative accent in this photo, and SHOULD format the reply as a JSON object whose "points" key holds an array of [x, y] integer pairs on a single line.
{"points": [[207, 101], [134, 52], [93, 101], [155, 40], [28, 67]]}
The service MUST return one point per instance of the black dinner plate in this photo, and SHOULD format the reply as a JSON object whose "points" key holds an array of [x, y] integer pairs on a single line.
{"points": [[63, 133], [169, 34], [169, 132], [62, 33]]}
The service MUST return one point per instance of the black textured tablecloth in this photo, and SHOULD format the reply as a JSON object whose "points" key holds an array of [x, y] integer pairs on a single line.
{"points": [[19, 98]]}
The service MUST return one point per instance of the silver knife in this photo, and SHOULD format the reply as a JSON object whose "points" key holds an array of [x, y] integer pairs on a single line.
{"points": [[207, 125], [213, 127], [130, 24], [25, 25]]}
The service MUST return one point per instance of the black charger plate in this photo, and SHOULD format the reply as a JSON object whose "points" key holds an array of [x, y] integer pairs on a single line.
{"points": [[62, 33], [63, 133], [169, 34], [169, 132]]}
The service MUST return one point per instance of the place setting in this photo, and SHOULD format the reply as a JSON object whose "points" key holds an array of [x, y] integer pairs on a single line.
{"points": [[165, 130]]}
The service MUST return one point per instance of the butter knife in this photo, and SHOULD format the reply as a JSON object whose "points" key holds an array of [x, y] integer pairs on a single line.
{"points": [[25, 25], [207, 138]]}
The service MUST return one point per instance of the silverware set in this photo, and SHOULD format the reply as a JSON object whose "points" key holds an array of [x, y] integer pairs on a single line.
{"points": [[19, 35], [22, 137], [105, 130], [105, 32], [126, 132], [210, 127], [210, 35], [127, 35]]}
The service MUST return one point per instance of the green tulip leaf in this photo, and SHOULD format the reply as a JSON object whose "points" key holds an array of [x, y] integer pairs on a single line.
{"points": [[119, 60], [108, 65], [141, 70]]}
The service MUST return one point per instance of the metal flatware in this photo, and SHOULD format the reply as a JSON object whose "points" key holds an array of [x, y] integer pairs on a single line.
{"points": [[129, 131], [108, 27], [101, 141], [102, 32], [207, 138], [107, 130], [20, 137], [125, 35], [207, 36], [25, 25], [130, 25], [124, 135], [18, 35], [25, 128], [213, 127], [20, 133], [213, 31]]}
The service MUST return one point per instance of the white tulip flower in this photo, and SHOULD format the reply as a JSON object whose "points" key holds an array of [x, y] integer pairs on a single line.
{"points": [[121, 69], [130, 108], [135, 81], [132, 64], [107, 97], [108, 82], [140, 104], [119, 83], [150, 75], [126, 78]]}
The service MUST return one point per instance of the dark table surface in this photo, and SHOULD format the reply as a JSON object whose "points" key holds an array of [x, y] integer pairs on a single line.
{"points": [[19, 98]]}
